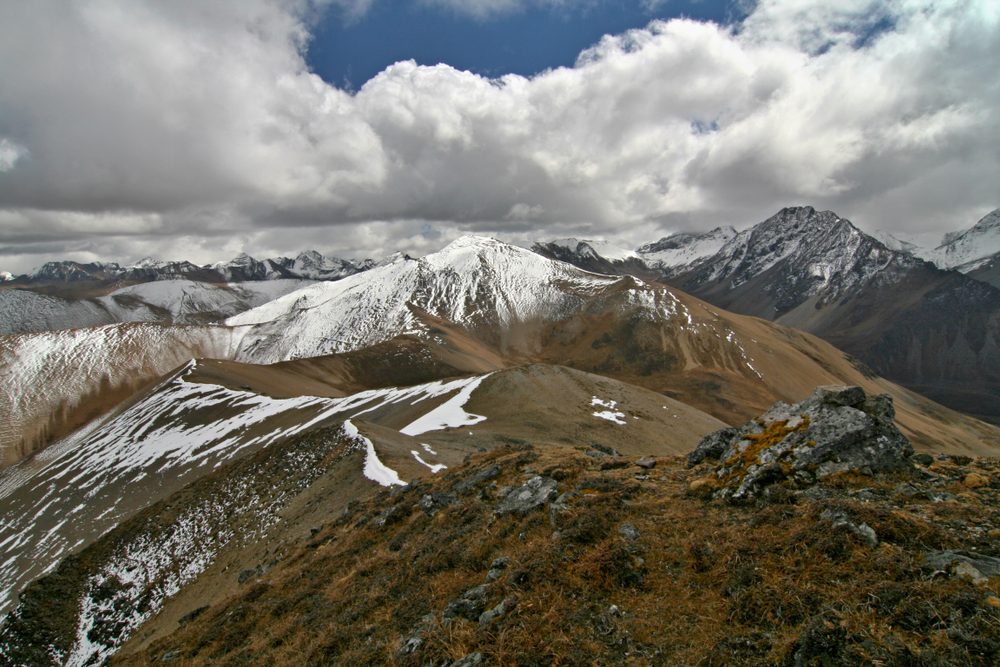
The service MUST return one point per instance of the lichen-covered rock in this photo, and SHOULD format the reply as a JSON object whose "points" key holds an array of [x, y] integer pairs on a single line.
{"points": [[522, 499], [834, 430]]}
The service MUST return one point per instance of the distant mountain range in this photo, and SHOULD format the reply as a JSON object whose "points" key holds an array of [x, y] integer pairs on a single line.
{"points": [[307, 265], [931, 325], [933, 329]]}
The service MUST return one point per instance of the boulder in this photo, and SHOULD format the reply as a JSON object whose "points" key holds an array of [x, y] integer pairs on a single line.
{"points": [[532, 494], [834, 430], [469, 605]]}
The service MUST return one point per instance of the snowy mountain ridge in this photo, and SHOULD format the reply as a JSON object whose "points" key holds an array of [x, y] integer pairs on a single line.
{"points": [[595, 248], [970, 249], [179, 301], [683, 251], [308, 265], [473, 282], [820, 255]]}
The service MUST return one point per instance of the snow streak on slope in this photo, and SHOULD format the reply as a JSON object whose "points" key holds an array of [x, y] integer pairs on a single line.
{"points": [[141, 568], [474, 282], [187, 301], [83, 486], [24, 311], [374, 469]]}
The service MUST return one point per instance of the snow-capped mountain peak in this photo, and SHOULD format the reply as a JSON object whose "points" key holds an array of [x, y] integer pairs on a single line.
{"points": [[968, 250], [684, 251], [475, 282], [804, 252], [595, 248]]}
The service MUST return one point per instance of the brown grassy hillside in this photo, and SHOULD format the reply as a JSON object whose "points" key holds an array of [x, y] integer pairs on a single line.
{"points": [[622, 565]]}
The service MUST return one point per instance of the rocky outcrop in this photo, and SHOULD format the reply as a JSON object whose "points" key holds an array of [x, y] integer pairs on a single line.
{"points": [[835, 430], [532, 494]]}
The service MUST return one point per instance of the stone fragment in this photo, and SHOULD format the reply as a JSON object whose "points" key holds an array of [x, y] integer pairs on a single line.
{"points": [[647, 462], [532, 494]]}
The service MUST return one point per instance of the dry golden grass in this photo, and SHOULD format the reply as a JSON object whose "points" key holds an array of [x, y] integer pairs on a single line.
{"points": [[703, 584]]}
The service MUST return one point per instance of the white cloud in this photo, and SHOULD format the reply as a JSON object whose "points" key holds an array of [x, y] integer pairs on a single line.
{"points": [[149, 122], [10, 153]]}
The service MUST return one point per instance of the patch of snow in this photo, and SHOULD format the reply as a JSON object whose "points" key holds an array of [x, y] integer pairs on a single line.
{"points": [[178, 431], [611, 414], [450, 414], [434, 467], [374, 470]]}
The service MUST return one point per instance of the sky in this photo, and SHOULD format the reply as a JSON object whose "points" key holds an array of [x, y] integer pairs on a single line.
{"points": [[363, 127]]}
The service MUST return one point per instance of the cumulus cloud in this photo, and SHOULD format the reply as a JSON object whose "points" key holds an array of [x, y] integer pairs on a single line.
{"points": [[147, 123]]}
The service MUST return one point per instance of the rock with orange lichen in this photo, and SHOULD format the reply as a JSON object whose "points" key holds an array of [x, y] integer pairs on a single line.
{"points": [[835, 430]]}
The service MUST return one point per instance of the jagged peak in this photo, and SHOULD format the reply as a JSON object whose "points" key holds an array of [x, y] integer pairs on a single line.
{"points": [[990, 221]]}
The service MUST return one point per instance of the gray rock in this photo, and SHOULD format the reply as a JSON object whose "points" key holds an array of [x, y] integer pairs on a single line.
{"points": [[245, 575], [433, 502], [410, 645], [841, 520], [628, 531], [477, 478], [923, 459], [712, 446], [471, 660], [958, 563], [416, 640], [170, 656], [834, 430], [647, 462], [532, 494], [469, 605], [496, 612], [497, 568]]}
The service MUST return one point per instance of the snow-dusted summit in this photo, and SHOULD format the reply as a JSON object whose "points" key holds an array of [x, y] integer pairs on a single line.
{"points": [[594, 248], [475, 282], [969, 250], [798, 254], [684, 251]]}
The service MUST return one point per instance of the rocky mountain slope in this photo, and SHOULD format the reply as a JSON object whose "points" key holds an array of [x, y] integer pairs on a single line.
{"points": [[56, 382], [596, 256], [479, 305], [530, 553], [80, 488], [935, 331]]}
